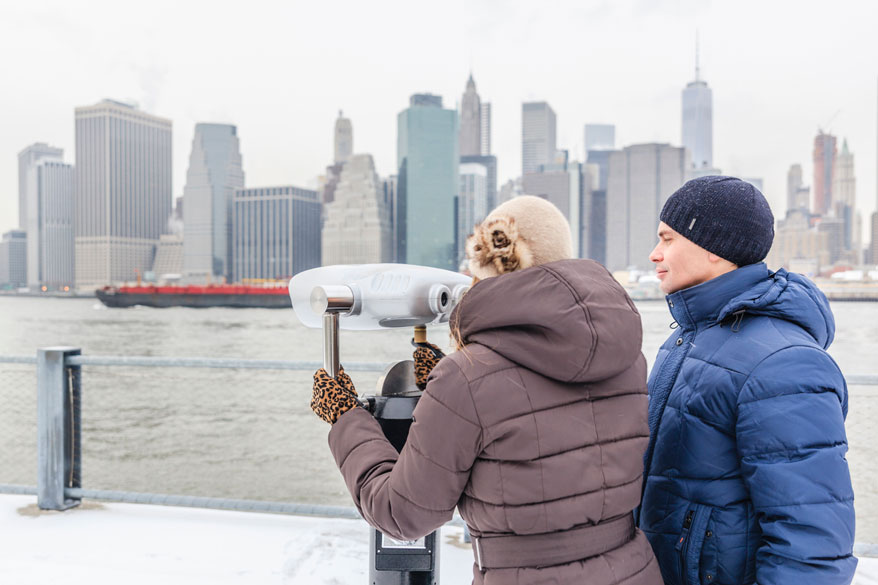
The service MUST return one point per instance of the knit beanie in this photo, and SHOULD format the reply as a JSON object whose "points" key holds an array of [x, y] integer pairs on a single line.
{"points": [[522, 232], [724, 215]]}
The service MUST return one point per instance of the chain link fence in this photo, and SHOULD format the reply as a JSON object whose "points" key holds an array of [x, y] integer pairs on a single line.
{"points": [[226, 433], [18, 424], [249, 434], [862, 433]]}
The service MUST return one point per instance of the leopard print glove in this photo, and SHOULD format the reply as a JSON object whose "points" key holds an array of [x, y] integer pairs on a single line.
{"points": [[426, 357], [331, 398]]}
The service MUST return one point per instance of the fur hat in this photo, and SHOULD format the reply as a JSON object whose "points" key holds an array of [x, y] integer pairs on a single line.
{"points": [[522, 232]]}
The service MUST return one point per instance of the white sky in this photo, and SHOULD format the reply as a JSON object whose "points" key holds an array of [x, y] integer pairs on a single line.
{"points": [[281, 71]]}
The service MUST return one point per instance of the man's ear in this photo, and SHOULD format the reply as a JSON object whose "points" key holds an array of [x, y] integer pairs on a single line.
{"points": [[720, 261]]}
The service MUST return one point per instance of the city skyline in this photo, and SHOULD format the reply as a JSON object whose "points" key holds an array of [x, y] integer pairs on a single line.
{"points": [[770, 94]]}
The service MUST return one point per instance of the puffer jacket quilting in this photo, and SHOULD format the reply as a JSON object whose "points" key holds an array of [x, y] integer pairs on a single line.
{"points": [[538, 425], [746, 479]]}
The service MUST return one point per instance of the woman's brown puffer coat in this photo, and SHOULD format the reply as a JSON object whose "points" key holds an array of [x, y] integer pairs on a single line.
{"points": [[536, 428]]}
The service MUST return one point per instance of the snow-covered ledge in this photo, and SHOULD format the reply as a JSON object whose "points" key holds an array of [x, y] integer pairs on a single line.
{"points": [[98, 544]]}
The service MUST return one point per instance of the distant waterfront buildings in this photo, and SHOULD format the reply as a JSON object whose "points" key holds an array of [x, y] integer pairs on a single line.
{"points": [[428, 159], [13, 259], [214, 173], [123, 191], [357, 226], [47, 183], [640, 179], [344, 139], [797, 243], [697, 121], [600, 137], [538, 141], [275, 232], [825, 153]]}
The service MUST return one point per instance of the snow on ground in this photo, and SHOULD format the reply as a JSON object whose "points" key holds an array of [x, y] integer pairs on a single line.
{"points": [[99, 544], [103, 544]]}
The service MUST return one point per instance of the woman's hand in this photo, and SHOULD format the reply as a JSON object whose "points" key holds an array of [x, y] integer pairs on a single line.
{"points": [[426, 357], [331, 398]]}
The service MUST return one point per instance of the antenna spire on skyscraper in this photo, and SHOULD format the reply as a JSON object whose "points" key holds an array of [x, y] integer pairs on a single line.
{"points": [[697, 64]]}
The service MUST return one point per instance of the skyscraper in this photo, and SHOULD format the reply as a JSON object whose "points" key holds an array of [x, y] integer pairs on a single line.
{"points": [[470, 121], [428, 159], [275, 232], [600, 137], [50, 240], [490, 163], [123, 191], [47, 185], [844, 193], [213, 176], [563, 185], [13, 259], [475, 140], [640, 180], [344, 139], [27, 158], [825, 152], [486, 129], [472, 203], [794, 183], [698, 120], [598, 162], [873, 247], [538, 144], [357, 225]]}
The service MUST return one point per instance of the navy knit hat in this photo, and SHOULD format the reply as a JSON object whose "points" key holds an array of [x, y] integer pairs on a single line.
{"points": [[724, 215]]}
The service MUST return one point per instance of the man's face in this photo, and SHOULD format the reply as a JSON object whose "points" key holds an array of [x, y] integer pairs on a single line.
{"points": [[679, 263]]}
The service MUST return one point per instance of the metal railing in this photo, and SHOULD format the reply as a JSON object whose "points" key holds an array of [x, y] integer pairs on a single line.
{"points": [[59, 433]]}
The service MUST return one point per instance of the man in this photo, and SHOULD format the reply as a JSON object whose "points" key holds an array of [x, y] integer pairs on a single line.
{"points": [[745, 475]]}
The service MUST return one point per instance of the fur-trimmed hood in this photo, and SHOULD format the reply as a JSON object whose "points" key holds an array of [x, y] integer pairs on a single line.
{"points": [[569, 320]]}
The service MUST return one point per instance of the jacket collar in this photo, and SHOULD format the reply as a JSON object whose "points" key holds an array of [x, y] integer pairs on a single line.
{"points": [[700, 305]]}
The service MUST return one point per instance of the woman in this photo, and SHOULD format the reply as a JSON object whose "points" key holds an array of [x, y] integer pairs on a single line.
{"points": [[535, 429]]}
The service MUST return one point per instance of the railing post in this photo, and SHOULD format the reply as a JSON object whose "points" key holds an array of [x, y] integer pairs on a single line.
{"points": [[58, 427]]}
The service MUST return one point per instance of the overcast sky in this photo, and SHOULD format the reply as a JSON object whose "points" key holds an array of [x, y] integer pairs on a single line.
{"points": [[280, 71]]}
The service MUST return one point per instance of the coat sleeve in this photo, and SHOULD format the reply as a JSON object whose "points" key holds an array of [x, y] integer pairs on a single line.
{"points": [[410, 494], [792, 444]]}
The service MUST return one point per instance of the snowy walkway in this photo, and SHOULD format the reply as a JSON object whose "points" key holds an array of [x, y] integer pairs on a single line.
{"points": [[98, 544]]}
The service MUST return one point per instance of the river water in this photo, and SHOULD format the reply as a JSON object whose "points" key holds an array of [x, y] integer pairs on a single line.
{"points": [[250, 433]]}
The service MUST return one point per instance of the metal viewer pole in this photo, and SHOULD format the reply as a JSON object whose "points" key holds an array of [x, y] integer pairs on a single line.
{"points": [[330, 343], [332, 301]]}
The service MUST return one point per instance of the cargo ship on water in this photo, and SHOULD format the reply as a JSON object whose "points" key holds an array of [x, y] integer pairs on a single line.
{"points": [[196, 296]]}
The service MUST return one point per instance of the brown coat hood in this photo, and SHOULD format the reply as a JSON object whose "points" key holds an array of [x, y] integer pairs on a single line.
{"points": [[567, 320]]}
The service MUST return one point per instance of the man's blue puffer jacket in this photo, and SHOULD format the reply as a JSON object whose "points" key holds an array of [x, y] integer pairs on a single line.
{"points": [[745, 477]]}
